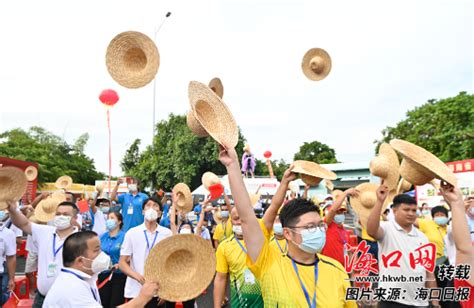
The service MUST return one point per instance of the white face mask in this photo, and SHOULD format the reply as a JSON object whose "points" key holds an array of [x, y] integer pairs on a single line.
{"points": [[132, 188], [237, 229], [185, 231], [151, 215], [62, 222], [100, 263]]}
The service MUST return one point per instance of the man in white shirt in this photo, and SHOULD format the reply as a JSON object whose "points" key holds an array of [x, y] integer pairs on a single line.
{"points": [[400, 235], [75, 285], [136, 246], [50, 240], [8, 253]]}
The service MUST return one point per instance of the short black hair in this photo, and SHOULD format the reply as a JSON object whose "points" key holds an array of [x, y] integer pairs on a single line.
{"points": [[291, 212], [119, 217], [154, 199], [99, 200], [72, 196], [439, 209], [75, 246], [71, 204], [186, 223], [403, 198]]}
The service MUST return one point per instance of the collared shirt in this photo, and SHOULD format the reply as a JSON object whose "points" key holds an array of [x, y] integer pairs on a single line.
{"points": [[7, 245], [135, 246], [73, 288], [44, 236], [132, 209], [111, 245], [223, 231], [99, 222], [396, 238], [336, 238]]}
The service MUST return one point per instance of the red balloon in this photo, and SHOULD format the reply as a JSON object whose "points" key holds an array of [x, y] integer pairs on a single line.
{"points": [[267, 154], [109, 97]]}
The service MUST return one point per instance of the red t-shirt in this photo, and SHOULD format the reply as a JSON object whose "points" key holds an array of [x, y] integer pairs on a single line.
{"points": [[464, 284], [336, 237]]}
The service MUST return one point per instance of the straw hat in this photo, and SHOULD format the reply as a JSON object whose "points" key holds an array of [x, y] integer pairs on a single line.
{"points": [[336, 193], [59, 195], [254, 199], [132, 59], [365, 201], [311, 173], [213, 115], [216, 85], [209, 179], [385, 165], [63, 182], [246, 147], [183, 197], [195, 126], [31, 173], [46, 209], [403, 186], [184, 263], [316, 64], [329, 184], [420, 166], [13, 185]]}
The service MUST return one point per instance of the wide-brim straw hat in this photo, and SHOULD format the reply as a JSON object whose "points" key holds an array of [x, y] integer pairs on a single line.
{"points": [[363, 203], [59, 195], [31, 173], [64, 182], [403, 186], [386, 166], [254, 199], [184, 263], [183, 197], [46, 209], [246, 147], [213, 115], [311, 173], [420, 166], [209, 178], [316, 64], [194, 125], [13, 184], [216, 85], [329, 184], [132, 59]]}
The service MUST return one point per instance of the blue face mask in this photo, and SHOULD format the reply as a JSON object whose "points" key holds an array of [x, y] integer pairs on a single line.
{"points": [[105, 209], [312, 242], [471, 210], [110, 224], [339, 218], [441, 221], [418, 212], [225, 214], [278, 229], [3, 215], [425, 212]]}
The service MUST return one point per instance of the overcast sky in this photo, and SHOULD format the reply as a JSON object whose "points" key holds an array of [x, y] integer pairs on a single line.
{"points": [[387, 58]]}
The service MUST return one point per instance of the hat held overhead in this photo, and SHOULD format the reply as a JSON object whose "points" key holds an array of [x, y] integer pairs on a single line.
{"points": [[312, 173], [13, 185], [64, 182], [316, 64], [31, 173], [183, 197], [385, 165]]}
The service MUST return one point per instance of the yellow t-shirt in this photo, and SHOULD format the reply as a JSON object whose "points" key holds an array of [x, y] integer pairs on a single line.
{"points": [[366, 236], [281, 287], [434, 233], [280, 245], [223, 231]]}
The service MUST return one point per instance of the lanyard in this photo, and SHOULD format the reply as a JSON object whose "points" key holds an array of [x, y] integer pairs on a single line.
{"points": [[286, 245], [96, 298], [241, 246], [306, 295], [224, 226], [148, 243], [55, 251]]}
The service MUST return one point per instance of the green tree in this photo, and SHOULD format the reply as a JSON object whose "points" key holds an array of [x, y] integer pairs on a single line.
{"points": [[317, 152], [278, 166], [131, 158], [444, 127], [53, 155]]}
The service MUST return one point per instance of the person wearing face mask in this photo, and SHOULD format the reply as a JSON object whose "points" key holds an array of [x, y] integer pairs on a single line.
{"points": [[425, 212], [224, 228], [132, 204], [75, 285], [336, 235], [49, 239], [99, 208], [112, 282], [165, 217], [137, 244], [302, 277], [8, 253]]}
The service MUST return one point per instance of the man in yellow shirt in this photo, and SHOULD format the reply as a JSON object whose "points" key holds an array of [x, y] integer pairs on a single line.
{"points": [[224, 228], [302, 278]]}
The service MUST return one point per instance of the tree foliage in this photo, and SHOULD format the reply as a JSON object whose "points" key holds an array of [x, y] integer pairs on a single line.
{"points": [[131, 157], [317, 152], [444, 127], [278, 166], [54, 156]]}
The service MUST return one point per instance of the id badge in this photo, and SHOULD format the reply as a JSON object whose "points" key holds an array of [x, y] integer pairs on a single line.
{"points": [[51, 270], [130, 210], [249, 277]]}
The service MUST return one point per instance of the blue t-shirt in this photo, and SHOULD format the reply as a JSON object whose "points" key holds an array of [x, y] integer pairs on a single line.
{"points": [[132, 209], [165, 220], [111, 245]]}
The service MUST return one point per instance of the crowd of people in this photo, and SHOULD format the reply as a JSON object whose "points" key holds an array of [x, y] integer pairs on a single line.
{"points": [[296, 255]]}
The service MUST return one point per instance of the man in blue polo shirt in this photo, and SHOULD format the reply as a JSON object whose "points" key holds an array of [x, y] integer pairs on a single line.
{"points": [[131, 204]]}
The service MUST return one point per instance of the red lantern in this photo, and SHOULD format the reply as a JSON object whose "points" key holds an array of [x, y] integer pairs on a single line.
{"points": [[109, 97], [216, 191], [267, 154]]}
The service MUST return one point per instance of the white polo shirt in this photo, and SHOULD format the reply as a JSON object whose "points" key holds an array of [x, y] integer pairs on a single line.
{"points": [[49, 263], [99, 223], [7, 245], [395, 238], [135, 246], [73, 288]]}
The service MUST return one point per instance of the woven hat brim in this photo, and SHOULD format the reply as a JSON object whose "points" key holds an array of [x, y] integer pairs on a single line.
{"points": [[43, 216], [400, 187], [362, 212], [117, 51], [184, 263], [254, 199], [393, 175], [216, 85], [63, 182], [329, 184], [424, 160], [213, 114], [3, 205], [306, 64], [13, 183], [183, 189], [31, 173], [313, 169], [194, 125], [209, 178]]}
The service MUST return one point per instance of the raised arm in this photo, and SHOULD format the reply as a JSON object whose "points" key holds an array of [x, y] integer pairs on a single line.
{"points": [[172, 213], [373, 223], [305, 193], [94, 202], [278, 198], [18, 219], [253, 235], [113, 195], [227, 201], [38, 199], [337, 204]]}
